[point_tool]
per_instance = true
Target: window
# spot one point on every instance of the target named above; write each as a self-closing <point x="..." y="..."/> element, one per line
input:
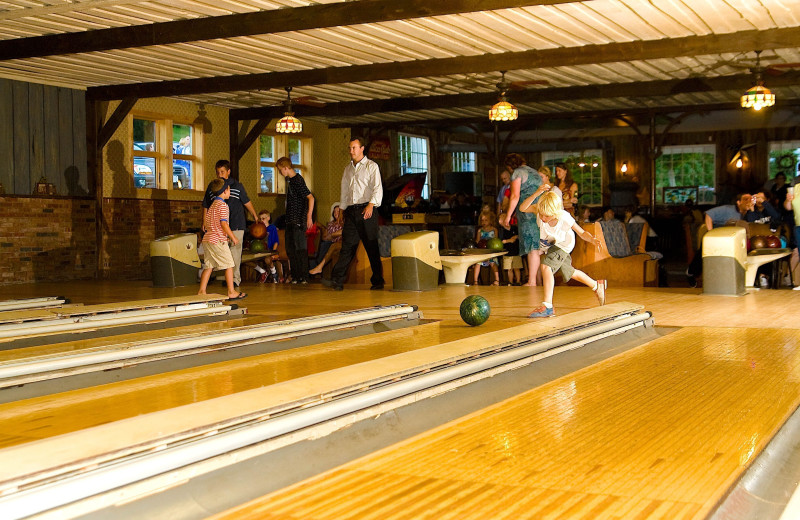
<point x="686" y="167"/>
<point x="784" y="157"/>
<point x="586" y="168"/>
<point x="413" y="152"/>
<point x="464" y="162"/>
<point x="273" y="147"/>
<point x="161" y="146"/>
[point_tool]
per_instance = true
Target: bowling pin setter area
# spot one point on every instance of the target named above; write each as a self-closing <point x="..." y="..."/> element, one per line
<point x="305" y="403"/>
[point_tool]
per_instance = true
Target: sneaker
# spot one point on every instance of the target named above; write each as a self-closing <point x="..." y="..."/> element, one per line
<point x="263" y="277"/>
<point x="600" y="292"/>
<point x="542" y="312"/>
<point x="376" y="287"/>
<point x="303" y="282"/>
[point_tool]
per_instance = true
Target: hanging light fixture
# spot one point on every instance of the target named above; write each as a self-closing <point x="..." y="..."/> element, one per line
<point x="503" y="110"/>
<point x="289" y="124"/>
<point x="759" y="96"/>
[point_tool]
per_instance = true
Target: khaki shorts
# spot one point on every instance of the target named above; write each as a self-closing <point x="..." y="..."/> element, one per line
<point x="217" y="256"/>
<point x="556" y="259"/>
<point x="512" y="262"/>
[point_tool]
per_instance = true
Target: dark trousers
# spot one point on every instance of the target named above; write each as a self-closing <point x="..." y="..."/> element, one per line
<point x="356" y="229"/>
<point x="297" y="251"/>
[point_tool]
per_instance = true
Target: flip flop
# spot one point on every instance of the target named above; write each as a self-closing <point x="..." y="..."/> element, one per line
<point x="241" y="296"/>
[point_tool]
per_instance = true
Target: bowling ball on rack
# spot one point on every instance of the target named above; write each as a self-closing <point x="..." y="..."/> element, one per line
<point x="258" y="230"/>
<point x="495" y="244"/>
<point x="482" y="244"/>
<point x="475" y="310"/>
<point x="773" y="242"/>
<point x="469" y="244"/>
<point x="758" y="242"/>
<point x="258" y="246"/>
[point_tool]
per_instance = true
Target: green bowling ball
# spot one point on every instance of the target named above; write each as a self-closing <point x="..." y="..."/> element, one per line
<point x="475" y="310"/>
<point x="258" y="246"/>
<point x="495" y="244"/>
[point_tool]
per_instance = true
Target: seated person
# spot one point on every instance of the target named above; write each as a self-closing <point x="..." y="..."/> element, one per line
<point x="486" y="231"/>
<point x="608" y="214"/>
<point x="269" y="270"/>
<point x="331" y="242"/>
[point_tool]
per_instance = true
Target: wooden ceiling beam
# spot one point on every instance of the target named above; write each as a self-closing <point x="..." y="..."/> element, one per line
<point x="658" y="88"/>
<point x="531" y="59"/>
<point x="486" y="126"/>
<point x="248" y="24"/>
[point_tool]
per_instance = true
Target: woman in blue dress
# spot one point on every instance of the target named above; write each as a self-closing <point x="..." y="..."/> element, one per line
<point x="524" y="181"/>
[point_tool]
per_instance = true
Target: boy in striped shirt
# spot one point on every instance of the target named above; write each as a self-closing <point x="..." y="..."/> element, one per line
<point x="215" y="242"/>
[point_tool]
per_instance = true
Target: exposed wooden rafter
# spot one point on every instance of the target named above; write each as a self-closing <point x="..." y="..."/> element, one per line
<point x="248" y="24"/>
<point x="530" y="59"/>
<point x="617" y="90"/>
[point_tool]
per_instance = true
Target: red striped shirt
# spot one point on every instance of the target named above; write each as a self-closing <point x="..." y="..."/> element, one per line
<point x="216" y="214"/>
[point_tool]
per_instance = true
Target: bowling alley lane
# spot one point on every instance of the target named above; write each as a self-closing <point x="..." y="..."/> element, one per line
<point x="660" y="431"/>
<point x="46" y="416"/>
<point x="66" y="347"/>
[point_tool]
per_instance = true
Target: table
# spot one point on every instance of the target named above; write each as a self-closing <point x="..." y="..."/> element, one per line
<point x="455" y="267"/>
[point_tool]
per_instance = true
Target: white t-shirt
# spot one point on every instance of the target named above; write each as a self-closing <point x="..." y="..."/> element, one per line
<point x="559" y="234"/>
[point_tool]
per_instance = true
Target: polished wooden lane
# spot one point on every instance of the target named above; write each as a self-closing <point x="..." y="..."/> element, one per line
<point x="677" y="307"/>
<point x="47" y="416"/>
<point x="123" y="340"/>
<point x="660" y="431"/>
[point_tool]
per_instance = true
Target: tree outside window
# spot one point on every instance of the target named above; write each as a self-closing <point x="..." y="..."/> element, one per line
<point x="686" y="167"/>
<point x="784" y="157"/>
<point x="586" y="167"/>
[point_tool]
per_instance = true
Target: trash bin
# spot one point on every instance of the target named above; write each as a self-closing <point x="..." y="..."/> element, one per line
<point x="174" y="261"/>
<point x="415" y="261"/>
<point x="724" y="261"/>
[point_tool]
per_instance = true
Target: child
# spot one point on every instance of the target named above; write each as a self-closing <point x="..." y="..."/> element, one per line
<point x="272" y="245"/>
<point x="484" y="233"/>
<point x="299" y="218"/>
<point x="512" y="262"/>
<point x="557" y="230"/>
<point x="217" y="254"/>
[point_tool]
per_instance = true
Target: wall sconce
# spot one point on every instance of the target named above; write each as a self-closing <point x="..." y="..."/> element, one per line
<point x="624" y="168"/>
<point x="739" y="162"/>
<point x="595" y="164"/>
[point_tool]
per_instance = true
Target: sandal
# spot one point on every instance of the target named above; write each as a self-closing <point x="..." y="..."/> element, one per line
<point x="241" y="296"/>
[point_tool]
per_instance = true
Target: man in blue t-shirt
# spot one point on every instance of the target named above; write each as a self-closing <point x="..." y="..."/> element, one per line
<point x="717" y="217"/>
<point x="237" y="204"/>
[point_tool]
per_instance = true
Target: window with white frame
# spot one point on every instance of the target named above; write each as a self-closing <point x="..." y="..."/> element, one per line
<point x="273" y="147"/>
<point x="166" y="153"/>
<point x="586" y="168"/>
<point x="464" y="162"/>
<point x="784" y="157"/>
<point x="413" y="150"/>
<point x="684" y="172"/>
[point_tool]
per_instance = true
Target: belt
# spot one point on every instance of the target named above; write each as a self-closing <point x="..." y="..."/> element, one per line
<point x="357" y="206"/>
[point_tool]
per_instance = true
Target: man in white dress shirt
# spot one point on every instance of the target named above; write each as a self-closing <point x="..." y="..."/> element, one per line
<point x="362" y="193"/>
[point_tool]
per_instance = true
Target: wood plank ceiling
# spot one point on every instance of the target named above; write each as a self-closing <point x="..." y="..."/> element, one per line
<point x="375" y="61"/>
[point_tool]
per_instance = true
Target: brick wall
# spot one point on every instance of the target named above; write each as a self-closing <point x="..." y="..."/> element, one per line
<point x="129" y="225"/>
<point x="46" y="239"/>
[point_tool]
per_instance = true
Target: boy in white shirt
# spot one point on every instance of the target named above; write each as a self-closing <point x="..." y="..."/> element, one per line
<point x="557" y="230"/>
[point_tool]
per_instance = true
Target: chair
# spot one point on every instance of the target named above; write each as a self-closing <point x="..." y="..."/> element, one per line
<point x="616" y="261"/>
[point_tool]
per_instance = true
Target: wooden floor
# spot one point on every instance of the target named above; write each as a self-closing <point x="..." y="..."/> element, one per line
<point x="658" y="432"/>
